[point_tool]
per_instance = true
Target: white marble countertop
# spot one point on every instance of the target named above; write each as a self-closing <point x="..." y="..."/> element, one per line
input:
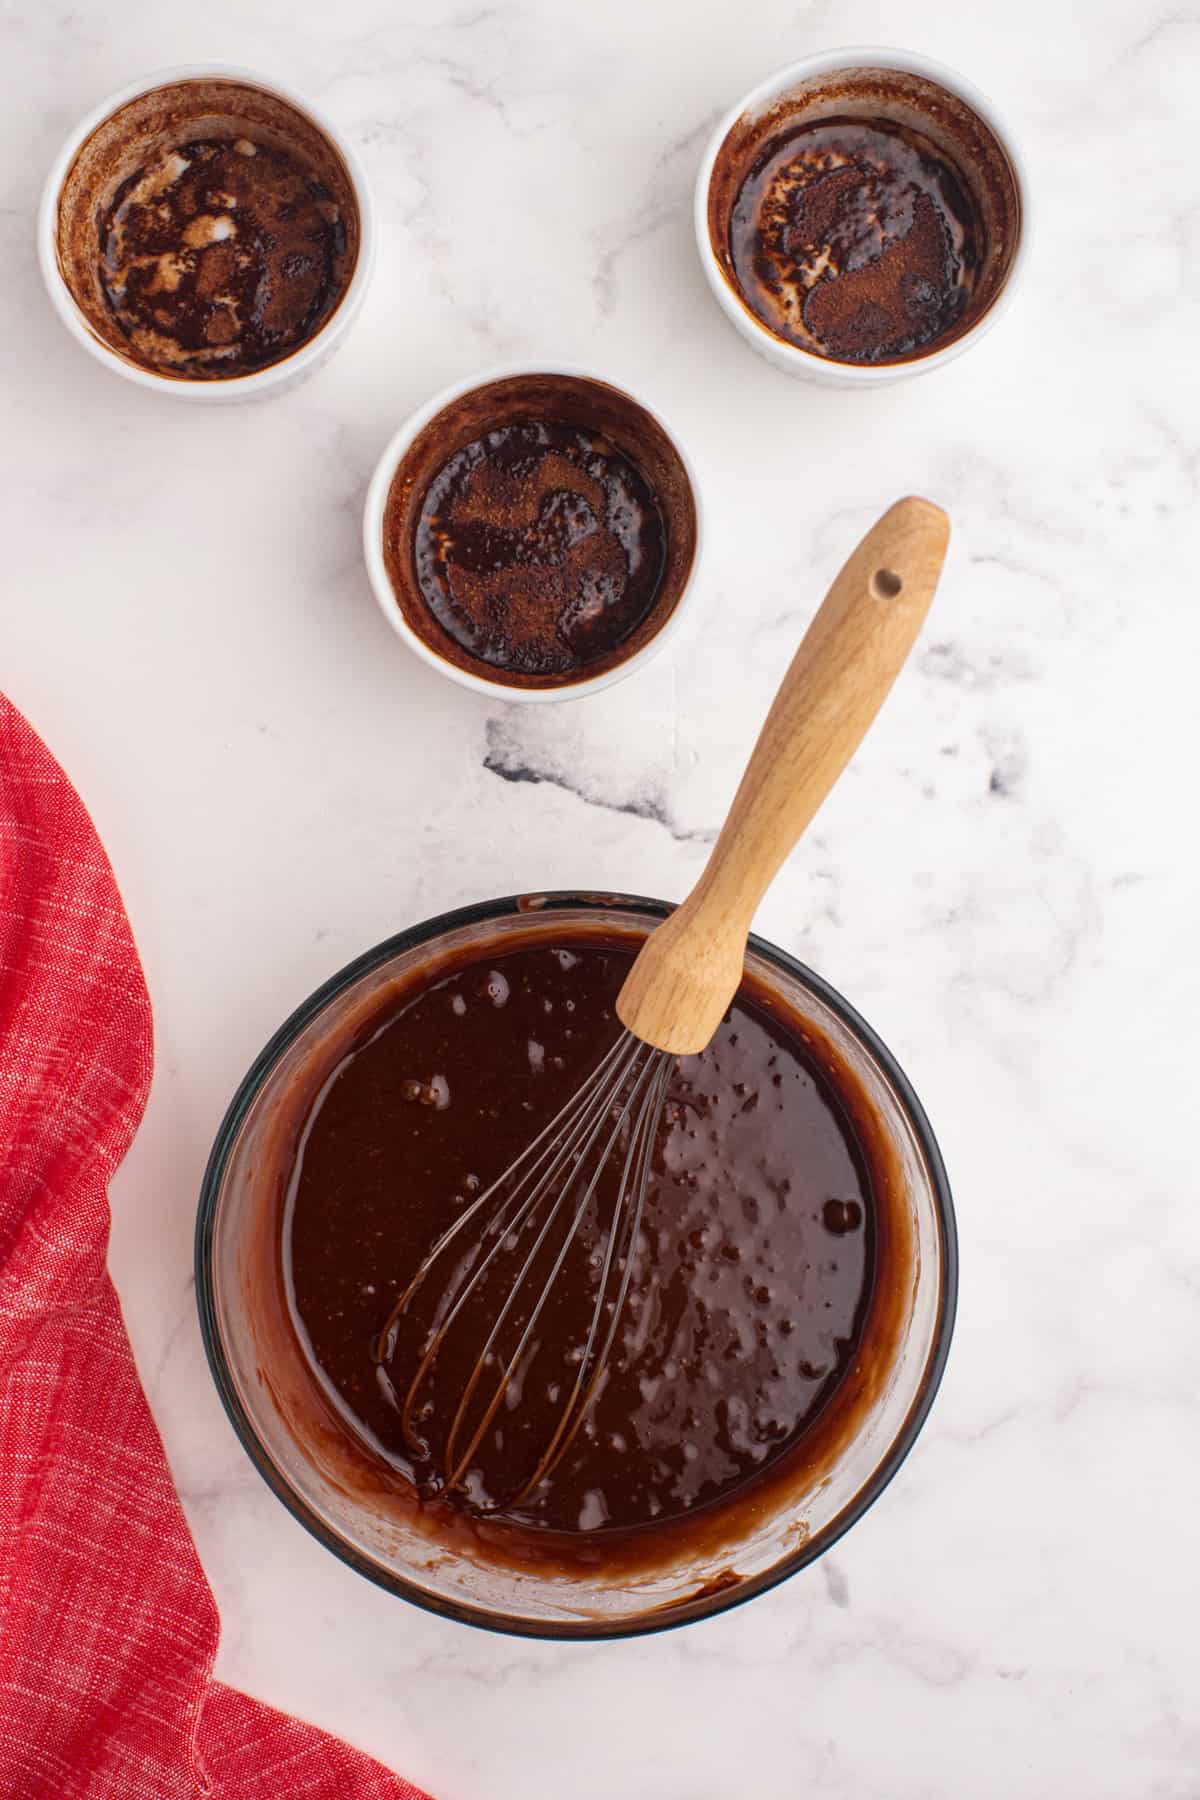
<point x="1006" y="882"/>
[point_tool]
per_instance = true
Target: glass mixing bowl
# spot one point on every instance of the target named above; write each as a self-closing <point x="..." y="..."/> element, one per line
<point x="302" y="1453"/>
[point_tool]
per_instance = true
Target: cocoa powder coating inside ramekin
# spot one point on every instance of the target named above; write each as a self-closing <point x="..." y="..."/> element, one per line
<point x="903" y="107"/>
<point x="509" y="515"/>
<point x="288" y="229"/>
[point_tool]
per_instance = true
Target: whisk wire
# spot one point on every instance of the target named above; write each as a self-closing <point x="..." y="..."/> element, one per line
<point x="641" y="1146"/>
<point x="385" y="1342"/>
<point x="528" y="1180"/>
<point x="641" y="1076"/>
<point x="505" y="1221"/>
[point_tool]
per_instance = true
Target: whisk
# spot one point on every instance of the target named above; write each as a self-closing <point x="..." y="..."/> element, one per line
<point x="670" y="1005"/>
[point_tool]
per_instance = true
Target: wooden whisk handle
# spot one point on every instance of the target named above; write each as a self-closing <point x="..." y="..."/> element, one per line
<point x="688" y="970"/>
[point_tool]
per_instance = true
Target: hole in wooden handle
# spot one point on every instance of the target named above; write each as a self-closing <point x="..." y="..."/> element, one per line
<point x="885" y="584"/>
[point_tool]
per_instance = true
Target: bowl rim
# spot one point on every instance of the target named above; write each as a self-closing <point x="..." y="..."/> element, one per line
<point x="532" y="906"/>
<point x="375" y="511"/>
<point x="794" y="359"/>
<point x="255" y="382"/>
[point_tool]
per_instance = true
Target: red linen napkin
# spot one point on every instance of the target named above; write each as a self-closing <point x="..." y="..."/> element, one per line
<point x="107" y="1626"/>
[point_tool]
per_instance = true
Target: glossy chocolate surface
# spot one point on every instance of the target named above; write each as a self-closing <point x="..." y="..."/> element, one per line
<point x="765" y="1251"/>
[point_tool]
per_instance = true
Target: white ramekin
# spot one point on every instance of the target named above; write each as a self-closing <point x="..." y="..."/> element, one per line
<point x="259" y="382"/>
<point x="376" y="506"/>
<point x="791" y="357"/>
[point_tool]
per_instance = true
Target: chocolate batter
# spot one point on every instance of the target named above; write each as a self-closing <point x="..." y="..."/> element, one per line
<point x="539" y="530"/>
<point x="540" y="548"/>
<point x="220" y="257"/>
<point x="867" y="216"/>
<point x="764" y="1240"/>
<point x="855" y="239"/>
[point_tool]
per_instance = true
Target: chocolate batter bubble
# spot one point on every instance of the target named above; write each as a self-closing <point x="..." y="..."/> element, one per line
<point x="753" y="1273"/>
